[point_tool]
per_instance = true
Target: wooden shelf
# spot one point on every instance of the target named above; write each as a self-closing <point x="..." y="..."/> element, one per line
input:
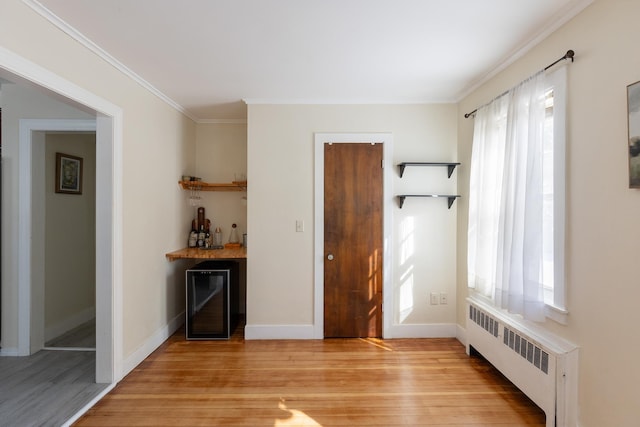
<point x="207" y="186"/>
<point x="199" y="253"/>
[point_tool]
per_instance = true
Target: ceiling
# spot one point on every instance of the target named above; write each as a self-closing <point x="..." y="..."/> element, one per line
<point x="207" y="57"/>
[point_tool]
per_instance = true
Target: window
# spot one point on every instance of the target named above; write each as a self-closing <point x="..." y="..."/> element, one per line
<point x="516" y="200"/>
<point x="554" y="197"/>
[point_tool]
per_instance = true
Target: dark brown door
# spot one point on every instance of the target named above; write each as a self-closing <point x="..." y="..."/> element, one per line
<point x="353" y="208"/>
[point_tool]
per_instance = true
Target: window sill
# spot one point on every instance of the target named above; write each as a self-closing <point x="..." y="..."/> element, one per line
<point x="556" y="314"/>
<point x="551" y="312"/>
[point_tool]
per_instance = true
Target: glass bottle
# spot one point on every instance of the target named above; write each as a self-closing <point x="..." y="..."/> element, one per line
<point x="193" y="235"/>
<point x="201" y="236"/>
<point x="233" y="236"/>
<point x="217" y="238"/>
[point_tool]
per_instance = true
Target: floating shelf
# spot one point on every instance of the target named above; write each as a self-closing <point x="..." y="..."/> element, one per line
<point x="450" y="198"/>
<point x="207" y="186"/>
<point x="450" y="166"/>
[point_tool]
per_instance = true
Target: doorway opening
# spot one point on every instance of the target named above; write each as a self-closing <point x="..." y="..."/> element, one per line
<point x="108" y="275"/>
<point x="69" y="240"/>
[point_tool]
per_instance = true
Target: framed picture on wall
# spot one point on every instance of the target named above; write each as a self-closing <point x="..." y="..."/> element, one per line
<point x="633" y="105"/>
<point x="68" y="174"/>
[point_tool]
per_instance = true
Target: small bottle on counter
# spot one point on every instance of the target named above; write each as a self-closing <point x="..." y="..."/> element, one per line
<point x="193" y="239"/>
<point x="201" y="236"/>
<point x="217" y="238"/>
<point x="207" y="239"/>
<point x="233" y="236"/>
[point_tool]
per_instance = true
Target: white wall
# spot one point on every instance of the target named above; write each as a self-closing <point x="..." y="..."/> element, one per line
<point x="281" y="190"/>
<point x="221" y="153"/>
<point x="602" y="229"/>
<point x="70" y="237"/>
<point x="158" y="147"/>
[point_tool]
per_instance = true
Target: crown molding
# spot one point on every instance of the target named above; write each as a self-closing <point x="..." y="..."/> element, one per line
<point x="382" y="101"/>
<point x="86" y="42"/>
<point x="222" y="121"/>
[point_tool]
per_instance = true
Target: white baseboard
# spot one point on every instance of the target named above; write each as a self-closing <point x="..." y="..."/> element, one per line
<point x="431" y="330"/>
<point x="306" y="332"/>
<point x="154" y="341"/>
<point x="279" y="332"/>
<point x="57" y="329"/>
<point x="9" y="351"/>
<point x="461" y="335"/>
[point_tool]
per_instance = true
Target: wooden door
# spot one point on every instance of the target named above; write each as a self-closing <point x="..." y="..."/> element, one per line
<point x="353" y="216"/>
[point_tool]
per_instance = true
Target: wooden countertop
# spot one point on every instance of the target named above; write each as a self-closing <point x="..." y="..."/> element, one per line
<point x="195" y="253"/>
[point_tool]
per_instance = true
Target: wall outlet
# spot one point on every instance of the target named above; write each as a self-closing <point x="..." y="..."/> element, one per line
<point x="434" y="298"/>
<point x="443" y="298"/>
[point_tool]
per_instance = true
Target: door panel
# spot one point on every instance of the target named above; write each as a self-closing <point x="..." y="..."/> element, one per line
<point x="353" y="213"/>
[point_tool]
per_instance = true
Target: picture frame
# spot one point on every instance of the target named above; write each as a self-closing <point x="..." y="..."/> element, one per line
<point x="633" y="124"/>
<point x="68" y="174"/>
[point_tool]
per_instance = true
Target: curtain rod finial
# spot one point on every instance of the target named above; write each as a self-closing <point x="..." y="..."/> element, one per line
<point x="569" y="55"/>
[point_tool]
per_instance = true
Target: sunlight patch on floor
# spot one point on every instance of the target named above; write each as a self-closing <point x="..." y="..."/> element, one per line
<point x="377" y="342"/>
<point x="297" y="418"/>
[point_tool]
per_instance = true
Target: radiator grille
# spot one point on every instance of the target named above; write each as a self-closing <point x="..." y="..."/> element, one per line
<point x="539" y="363"/>
<point x="485" y="321"/>
<point x="528" y="350"/>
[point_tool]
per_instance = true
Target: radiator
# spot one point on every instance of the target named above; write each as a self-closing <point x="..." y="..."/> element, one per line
<point x="541" y="365"/>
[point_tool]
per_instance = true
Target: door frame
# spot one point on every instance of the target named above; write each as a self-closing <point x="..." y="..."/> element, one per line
<point x="31" y="208"/>
<point x="387" y="176"/>
<point x="109" y="226"/>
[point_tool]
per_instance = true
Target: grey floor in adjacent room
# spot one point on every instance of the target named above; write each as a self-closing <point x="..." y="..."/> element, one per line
<point x="83" y="336"/>
<point x="47" y="388"/>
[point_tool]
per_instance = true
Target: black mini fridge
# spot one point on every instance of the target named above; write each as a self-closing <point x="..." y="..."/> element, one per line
<point x="212" y="300"/>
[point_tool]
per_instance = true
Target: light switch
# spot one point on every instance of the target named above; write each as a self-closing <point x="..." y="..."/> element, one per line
<point x="434" y="298"/>
<point x="299" y="225"/>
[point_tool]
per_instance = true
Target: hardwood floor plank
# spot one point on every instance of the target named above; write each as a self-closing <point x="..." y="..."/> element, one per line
<point x="341" y="382"/>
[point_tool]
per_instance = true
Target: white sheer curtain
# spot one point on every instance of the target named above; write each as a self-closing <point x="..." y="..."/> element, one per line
<point x="506" y="199"/>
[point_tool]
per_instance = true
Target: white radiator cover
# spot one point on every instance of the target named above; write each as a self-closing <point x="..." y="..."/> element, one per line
<point x="542" y="365"/>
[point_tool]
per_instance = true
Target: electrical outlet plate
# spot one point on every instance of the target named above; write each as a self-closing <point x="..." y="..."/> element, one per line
<point x="443" y="298"/>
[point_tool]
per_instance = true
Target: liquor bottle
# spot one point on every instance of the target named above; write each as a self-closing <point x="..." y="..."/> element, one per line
<point x="207" y="239"/>
<point x="200" y="222"/>
<point x="201" y="237"/>
<point x="193" y="239"/>
<point x="193" y="235"/>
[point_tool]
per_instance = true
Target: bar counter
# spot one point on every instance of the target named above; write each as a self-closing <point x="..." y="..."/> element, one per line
<point x="195" y="253"/>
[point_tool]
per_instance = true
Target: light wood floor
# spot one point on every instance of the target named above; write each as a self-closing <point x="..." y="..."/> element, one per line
<point x="337" y="382"/>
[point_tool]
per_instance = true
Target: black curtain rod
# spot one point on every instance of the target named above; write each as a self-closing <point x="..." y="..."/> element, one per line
<point x="568" y="55"/>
